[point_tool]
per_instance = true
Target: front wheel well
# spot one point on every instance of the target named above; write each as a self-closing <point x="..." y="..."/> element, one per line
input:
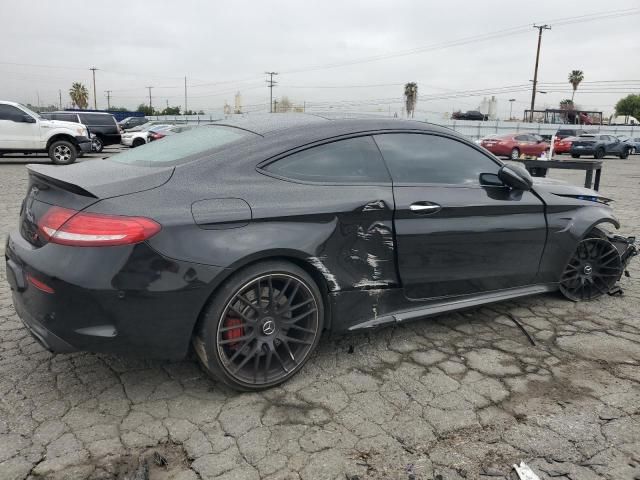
<point x="61" y="136"/>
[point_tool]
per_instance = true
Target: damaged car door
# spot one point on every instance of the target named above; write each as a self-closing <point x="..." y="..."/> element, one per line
<point x="455" y="234"/>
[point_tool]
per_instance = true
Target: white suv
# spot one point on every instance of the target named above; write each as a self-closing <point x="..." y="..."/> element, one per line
<point x="24" y="131"/>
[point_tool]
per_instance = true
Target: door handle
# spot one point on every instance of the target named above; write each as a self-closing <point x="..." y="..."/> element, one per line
<point x="424" y="207"/>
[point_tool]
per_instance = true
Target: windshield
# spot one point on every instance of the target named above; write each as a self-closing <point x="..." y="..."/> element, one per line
<point x="31" y="112"/>
<point x="181" y="148"/>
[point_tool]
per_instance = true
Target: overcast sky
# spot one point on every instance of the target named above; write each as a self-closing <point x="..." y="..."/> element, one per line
<point x="224" y="47"/>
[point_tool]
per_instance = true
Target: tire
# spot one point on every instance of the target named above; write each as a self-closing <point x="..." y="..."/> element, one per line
<point x="625" y="154"/>
<point x="97" y="145"/>
<point x="248" y="338"/>
<point x="593" y="270"/>
<point x="138" y="142"/>
<point x="599" y="153"/>
<point x="63" y="152"/>
<point x="575" y="155"/>
<point x="515" y="154"/>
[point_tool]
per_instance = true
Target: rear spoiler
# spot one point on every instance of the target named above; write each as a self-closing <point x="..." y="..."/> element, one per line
<point x="35" y="171"/>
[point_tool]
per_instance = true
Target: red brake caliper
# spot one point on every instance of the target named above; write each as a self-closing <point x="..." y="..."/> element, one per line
<point x="234" y="332"/>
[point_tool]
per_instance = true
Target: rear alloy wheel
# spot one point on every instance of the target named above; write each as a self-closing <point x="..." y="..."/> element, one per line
<point x="593" y="270"/>
<point x="515" y="154"/>
<point x="262" y="326"/>
<point x="63" y="152"/>
<point x="599" y="153"/>
<point x="138" y="142"/>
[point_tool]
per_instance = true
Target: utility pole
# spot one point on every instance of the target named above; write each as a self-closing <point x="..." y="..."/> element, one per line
<point x="60" y="97"/>
<point x="108" y="92"/>
<point x="185" y="94"/>
<point x="275" y="106"/>
<point x="271" y="84"/>
<point x="95" y="99"/>
<point x="150" y="107"/>
<point x="511" y="100"/>
<point x="535" y="72"/>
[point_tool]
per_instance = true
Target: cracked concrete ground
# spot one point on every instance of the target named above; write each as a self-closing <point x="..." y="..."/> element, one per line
<point x="460" y="396"/>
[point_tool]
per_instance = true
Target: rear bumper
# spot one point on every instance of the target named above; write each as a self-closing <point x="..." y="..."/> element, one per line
<point x="583" y="151"/>
<point x="121" y="300"/>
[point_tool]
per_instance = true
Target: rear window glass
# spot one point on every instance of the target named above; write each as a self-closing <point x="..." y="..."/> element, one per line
<point x="181" y="148"/>
<point x="97" y="119"/>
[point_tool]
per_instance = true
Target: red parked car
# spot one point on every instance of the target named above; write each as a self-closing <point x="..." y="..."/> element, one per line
<point x="514" y="145"/>
<point x="563" y="145"/>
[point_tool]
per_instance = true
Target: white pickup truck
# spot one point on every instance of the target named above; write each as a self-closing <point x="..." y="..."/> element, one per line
<point x="24" y="131"/>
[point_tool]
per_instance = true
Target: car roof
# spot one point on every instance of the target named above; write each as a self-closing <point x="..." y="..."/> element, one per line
<point x="270" y="123"/>
<point x="83" y="111"/>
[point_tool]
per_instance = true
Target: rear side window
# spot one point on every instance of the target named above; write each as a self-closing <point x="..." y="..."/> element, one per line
<point x="355" y="160"/>
<point x="419" y="158"/>
<point x="66" y="117"/>
<point x="97" y="119"/>
<point x="181" y="148"/>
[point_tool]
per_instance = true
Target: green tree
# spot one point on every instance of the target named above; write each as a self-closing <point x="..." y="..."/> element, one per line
<point x="171" y="111"/>
<point x="411" y="97"/>
<point x="567" y="104"/>
<point x="118" y="109"/>
<point x="629" y="105"/>
<point x="146" y="109"/>
<point x="200" y="112"/>
<point x="79" y="95"/>
<point x="575" y="77"/>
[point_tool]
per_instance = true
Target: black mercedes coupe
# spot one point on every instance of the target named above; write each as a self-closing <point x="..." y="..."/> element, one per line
<point x="248" y="238"/>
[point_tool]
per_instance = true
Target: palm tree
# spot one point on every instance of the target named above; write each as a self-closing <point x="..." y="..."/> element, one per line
<point x="410" y="97"/>
<point x="575" y="77"/>
<point x="79" y="95"/>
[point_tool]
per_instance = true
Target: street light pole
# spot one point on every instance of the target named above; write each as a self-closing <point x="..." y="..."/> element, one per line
<point x="95" y="99"/>
<point x="511" y="100"/>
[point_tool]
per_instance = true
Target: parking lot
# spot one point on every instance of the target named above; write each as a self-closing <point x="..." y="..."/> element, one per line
<point x="460" y="396"/>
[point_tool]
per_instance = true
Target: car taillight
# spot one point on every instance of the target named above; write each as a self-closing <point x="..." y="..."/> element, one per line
<point x="83" y="229"/>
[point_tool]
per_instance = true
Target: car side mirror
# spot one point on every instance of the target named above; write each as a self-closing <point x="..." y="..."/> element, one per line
<point x="28" y="119"/>
<point x="490" y="180"/>
<point x="515" y="177"/>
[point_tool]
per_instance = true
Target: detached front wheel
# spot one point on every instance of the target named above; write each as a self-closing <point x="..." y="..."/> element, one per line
<point x="261" y="327"/>
<point x="592" y="271"/>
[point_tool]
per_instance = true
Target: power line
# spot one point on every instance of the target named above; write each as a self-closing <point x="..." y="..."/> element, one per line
<point x="471" y="39"/>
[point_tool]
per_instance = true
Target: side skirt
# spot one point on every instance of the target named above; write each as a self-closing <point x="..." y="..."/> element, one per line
<point x="386" y="307"/>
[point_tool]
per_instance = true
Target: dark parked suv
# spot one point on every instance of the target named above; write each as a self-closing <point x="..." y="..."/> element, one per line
<point x="102" y="125"/>
<point x="131" y="122"/>
<point x="570" y="132"/>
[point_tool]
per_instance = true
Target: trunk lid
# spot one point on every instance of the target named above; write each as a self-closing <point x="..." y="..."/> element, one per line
<point x="80" y="185"/>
